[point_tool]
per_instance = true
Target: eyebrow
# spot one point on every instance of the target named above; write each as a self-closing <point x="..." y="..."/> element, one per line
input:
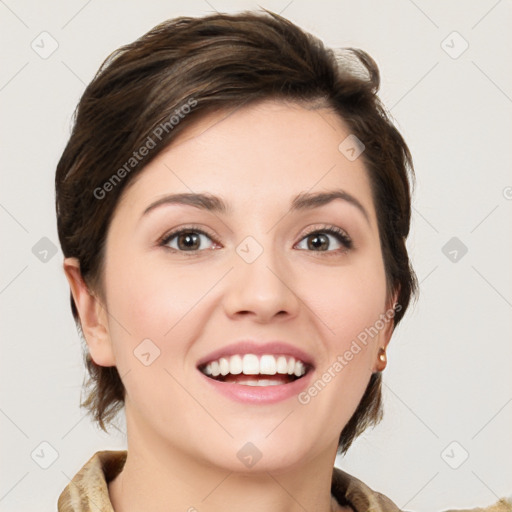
<point x="301" y="202"/>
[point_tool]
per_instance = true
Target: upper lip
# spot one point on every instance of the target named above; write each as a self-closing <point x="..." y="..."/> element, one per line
<point x="259" y="349"/>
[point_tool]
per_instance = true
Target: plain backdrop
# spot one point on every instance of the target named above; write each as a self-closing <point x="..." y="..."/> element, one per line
<point x="446" y="77"/>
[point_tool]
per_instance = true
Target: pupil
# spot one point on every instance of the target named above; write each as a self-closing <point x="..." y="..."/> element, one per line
<point x="190" y="240"/>
<point x="318" y="242"/>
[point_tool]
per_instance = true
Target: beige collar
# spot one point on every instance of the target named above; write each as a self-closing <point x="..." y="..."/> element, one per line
<point x="88" y="490"/>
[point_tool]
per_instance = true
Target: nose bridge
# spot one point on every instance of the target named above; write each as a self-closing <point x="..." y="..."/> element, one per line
<point x="260" y="281"/>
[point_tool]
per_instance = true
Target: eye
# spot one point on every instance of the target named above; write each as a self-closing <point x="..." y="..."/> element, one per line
<point x="191" y="239"/>
<point x="188" y="239"/>
<point x="321" y="240"/>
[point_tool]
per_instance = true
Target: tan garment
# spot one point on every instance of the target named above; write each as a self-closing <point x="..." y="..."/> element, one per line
<point x="88" y="490"/>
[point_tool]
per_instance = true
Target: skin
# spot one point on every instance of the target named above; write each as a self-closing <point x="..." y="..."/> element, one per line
<point x="183" y="437"/>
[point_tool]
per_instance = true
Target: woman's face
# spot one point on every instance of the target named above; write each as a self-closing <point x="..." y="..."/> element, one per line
<point x="263" y="276"/>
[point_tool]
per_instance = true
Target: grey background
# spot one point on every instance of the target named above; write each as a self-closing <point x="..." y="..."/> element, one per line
<point x="448" y="385"/>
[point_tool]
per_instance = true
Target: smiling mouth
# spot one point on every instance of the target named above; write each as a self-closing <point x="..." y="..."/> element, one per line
<point x="253" y="370"/>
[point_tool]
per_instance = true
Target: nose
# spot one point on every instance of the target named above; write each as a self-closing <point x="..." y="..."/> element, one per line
<point x="262" y="289"/>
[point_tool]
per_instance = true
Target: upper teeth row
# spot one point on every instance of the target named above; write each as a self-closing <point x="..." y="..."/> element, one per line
<point x="250" y="364"/>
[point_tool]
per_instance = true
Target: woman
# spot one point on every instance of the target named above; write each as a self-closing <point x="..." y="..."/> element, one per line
<point x="233" y="206"/>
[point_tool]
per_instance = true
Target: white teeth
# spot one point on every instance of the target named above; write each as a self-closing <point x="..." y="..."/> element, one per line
<point x="215" y="368"/>
<point x="250" y="364"/>
<point x="282" y="365"/>
<point x="260" y="382"/>
<point x="299" y="368"/>
<point x="268" y="365"/>
<point x="291" y="366"/>
<point x="235" y="365"/>
<point x="223" y="366"/>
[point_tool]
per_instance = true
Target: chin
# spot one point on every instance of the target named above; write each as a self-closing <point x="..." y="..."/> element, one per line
<point x="261" y="453"/>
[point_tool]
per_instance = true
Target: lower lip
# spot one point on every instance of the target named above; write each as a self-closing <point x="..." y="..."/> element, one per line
<point x="260" y="394"/>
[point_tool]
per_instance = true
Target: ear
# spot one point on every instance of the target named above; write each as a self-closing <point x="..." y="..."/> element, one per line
<point x="93" y="315"/>
<point x="385" y="334"/>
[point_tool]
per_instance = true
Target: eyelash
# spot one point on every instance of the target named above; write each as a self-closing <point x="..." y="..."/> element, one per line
<point x="338" y="233"/>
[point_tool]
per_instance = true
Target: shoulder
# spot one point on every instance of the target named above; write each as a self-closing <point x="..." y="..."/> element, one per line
<point x="502" y="505"/>
<point x="88" y="490"/>
<point x="349" y="490"/>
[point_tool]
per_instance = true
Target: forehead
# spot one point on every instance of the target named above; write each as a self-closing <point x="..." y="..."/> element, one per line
<point x="265" y="153"/>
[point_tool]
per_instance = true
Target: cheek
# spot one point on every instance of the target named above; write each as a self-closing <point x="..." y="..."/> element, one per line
<point x="350" y="302"/>
<point x="153" y="318"/>
<point x="154" y="302"/>
<point x="150" y="299"/>
<point x="349" y="305"/>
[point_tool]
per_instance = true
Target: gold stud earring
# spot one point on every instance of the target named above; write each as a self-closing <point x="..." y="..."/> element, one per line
<point x="382" y="359"/>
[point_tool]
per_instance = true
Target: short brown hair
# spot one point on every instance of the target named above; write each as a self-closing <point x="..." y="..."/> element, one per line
<point x="218" y="63"/>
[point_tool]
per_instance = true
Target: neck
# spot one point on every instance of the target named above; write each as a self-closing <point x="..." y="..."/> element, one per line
<point x="162" y="478"/>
